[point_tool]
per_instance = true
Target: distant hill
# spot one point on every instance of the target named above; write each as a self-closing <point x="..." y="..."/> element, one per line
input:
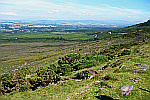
<point x="132" y="28"/>
<point x="144" y="24"/>
<point x="139" y="29"/>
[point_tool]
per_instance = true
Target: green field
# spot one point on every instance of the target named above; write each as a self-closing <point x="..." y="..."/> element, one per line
<point x="49" y="37"/>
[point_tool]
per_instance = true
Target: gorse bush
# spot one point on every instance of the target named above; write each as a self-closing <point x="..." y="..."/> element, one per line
<point x="64" y="69"/>
<point x="70" y="58"/>
<point x="17" y="82"/>
<point x="45" y="76"/>
<point x="13" y="82"/>
<point x="52" y="67"/>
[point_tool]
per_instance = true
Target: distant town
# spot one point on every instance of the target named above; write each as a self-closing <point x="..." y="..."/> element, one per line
<point x="52" y="26"/>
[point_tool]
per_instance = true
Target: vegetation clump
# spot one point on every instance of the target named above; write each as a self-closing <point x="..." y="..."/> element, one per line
<point x="72" y="62"/>
<point x="13" y="82"/>
<point x="125" y="52"/>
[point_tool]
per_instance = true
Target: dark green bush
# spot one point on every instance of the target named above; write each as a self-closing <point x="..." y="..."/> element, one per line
<point x="4" y="75"/>
<point x="68" y="59"/>
<point x="13" y="92"/>
<point x="125" y="52"/>
<point x="53" y="67"/>
<point x="72" y="62"/>
<point x="65" y="69"/>
<point x="44" y="77"/>
<point x="12" y="82"/>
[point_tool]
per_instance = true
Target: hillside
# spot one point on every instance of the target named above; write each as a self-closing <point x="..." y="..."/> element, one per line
<point x="115" y="68"/>
<point x="132" y="28"/>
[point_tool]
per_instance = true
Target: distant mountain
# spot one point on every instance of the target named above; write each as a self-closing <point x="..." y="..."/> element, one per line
<point x="118" y="23"/>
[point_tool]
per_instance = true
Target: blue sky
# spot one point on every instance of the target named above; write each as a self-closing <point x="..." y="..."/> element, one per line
<point x="127" y="10"/>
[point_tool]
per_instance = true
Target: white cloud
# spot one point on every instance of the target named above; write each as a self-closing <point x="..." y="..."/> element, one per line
<point x="82" y="13"/>
<point x="70" y="7"/>
<point x="67" y="9"/>
<point x="53" y="11"/>
<point x="8" y="13"/>
<point x="129" y="16"/>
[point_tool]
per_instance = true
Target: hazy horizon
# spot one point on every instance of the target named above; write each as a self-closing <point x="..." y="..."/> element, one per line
<point x="130" y="11"/>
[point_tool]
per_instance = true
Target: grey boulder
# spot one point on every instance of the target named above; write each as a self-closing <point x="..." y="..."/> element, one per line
<point x="126" y="89"/>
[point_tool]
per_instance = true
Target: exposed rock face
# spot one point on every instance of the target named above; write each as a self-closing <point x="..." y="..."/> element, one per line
<point x="86" y="74"/>
<point x="126" y="89"/>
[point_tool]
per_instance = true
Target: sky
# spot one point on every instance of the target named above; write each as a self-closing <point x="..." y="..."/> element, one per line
<point x="127" y="10"/>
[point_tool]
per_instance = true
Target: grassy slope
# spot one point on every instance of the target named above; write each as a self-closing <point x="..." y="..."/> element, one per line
<point x="70" y="87"/>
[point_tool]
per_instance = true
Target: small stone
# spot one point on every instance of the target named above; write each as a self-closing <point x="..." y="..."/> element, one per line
<point x="111" y="86"/>
<point x="75" y="94"/>
<point x="126" y="88"/>
<point x="81" y="91"/>
<point x="146" y="66"/>
<point x="125" y="93"/>
<point x="78" y="80"/>
<point x="90" y="76"/>
<point x="97" y="81"/>
<point x="100" y="89"/>
<point x="121" y="67"/>
<point x="136" y="79"/>
<point x="117" y="79"/>
<point x="143" y="69"/>
<point x="104" y="86"/>
<point x="131" y="80"/>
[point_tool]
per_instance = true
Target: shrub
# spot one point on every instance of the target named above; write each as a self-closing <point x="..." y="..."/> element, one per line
<point x="4" y="75"/>
<point x="23" y="88"/>
<point x="65" y="69"/>
<point x="12" y="82"/>
<point x="52" y="67"/>
<point x="44" y="77"/>
<point x="13" y="92"/>
<point x="125" y="52"/>
<point x="68" y="59"/>
<point x="101" y="58"/>
<point x="75" y="62"/>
